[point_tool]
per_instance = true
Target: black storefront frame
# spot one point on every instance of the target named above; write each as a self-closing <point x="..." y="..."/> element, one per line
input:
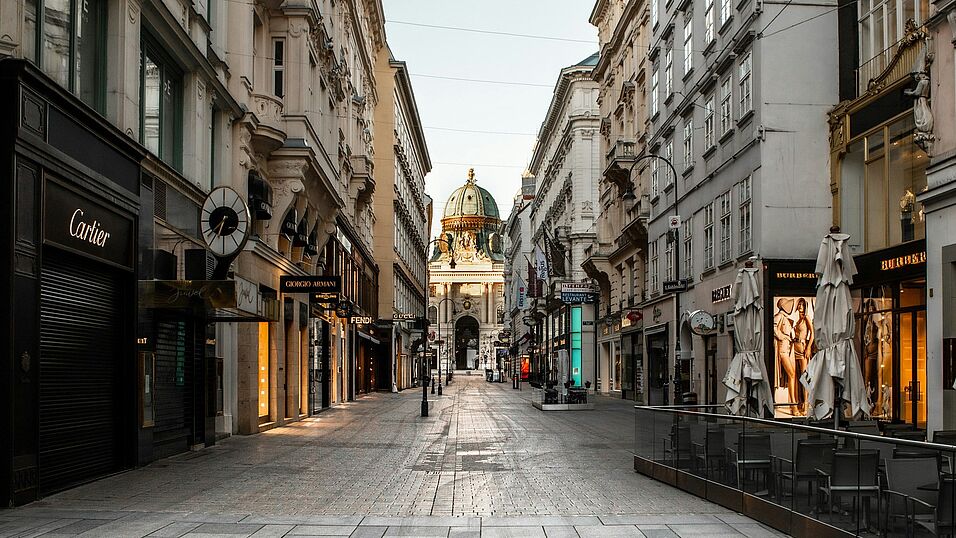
<point x="783" y="278"/>
<point x="57" y="138"/>
<point x="890" y="268"/>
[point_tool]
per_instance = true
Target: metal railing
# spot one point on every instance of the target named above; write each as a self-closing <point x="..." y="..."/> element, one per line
<point x="804" y="479"/>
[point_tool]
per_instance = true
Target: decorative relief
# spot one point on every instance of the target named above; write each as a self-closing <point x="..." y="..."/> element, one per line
<point x="132" y="11"/>
<point x="922" y="113"/>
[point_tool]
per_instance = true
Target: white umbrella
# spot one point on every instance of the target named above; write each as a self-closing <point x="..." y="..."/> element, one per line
<point x="746" y="377"/>
<point x="833" y="375"/>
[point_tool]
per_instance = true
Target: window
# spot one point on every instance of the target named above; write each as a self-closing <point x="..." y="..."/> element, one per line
<point x="278" y="67"/>
<point x="160" y="106"/>
<point x="724" y="12"/>
<point x="882" y="25"/>
<point x="655" y="179"/>
<point x="67" y="40"/>
<point x="668" y="72"/>
<point x="688" y="46"/>
<point x="744" y="243"/>
<point x="709" y="236"/>
<point x="709" y="140"/>
<point x="668" y="259"/>
<point x="652" y="271"/>
<point x="669" y="155"/>
<point x="654" y="92"/>
<point x="708" y="22"/>
<point x="688" y="143"/>
<point x="687" y="260"/>
<point x="746" y="103"/>
<point x="726" y="94"/>
<point x="214" y="117"/>
<point x="725" y="225"/>
<point x="653" y="13"/>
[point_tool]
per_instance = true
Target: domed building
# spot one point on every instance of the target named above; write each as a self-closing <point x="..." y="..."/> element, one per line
<point x="466" y="281"/>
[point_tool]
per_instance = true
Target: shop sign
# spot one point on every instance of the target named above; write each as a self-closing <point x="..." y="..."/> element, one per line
<point x="899" y="262"/>
<point x="791" y="274"/>
<point x="310" y="284"/>
<point x="577" y="293"/>
<point x="721" y="294"/>
<point x="207" y="294"/>
<point x="402" y="316"/>
<point x="361" y="320"/>
<point x="81" y="225"/>
<point x="248" y="298"/>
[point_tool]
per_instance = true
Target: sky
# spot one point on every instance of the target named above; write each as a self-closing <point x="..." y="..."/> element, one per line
<point x="531" y="66"/>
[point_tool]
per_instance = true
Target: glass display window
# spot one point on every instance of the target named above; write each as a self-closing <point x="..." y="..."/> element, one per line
<point x="794" y="344"/>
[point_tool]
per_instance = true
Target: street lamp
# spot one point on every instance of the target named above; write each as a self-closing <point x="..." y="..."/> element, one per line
<point x="630" y="196"/>
<point x="438" y="322"/>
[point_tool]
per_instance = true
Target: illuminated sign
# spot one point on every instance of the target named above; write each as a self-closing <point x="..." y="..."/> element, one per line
<point x="792" y="276"/>
<point x="361" y="320"/>
<point x="898" y="262"/>
<point x="310" y="284"/>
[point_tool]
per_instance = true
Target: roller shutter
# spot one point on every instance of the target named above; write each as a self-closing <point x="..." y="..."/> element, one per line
<point x="80" y="348"/>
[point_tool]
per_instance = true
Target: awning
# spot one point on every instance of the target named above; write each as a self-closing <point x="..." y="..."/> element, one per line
<point x="216" y="300"/>
<point x="371" y="339"/>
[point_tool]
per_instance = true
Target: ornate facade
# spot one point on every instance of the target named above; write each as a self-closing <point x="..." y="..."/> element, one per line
<point x="466" y="298"/>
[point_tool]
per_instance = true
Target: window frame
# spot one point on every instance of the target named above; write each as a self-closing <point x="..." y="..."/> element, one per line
<point x="655" y="91"/>
<point x="688" y="45"/>
<point x="710" y="33"/>
<point x="668" y="72"/>
<point x="150" y="47"/>
<point x="688" y="142"/>
<point x="745" y="215"/>
<point x="709" y="139"/>
<point x="687" y="242"/>
<point x="709" y="239"/>
<point x="278" y="67"/>
<point x="726" y="226"/>
<point x="726" y="105"/>
<point x="745" y="82"/>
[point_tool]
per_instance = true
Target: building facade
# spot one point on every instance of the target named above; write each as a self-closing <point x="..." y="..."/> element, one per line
<point x="466" y="298"/>
<point x="271" y="106"/>
<point x="517" y="267"/>
<point x="617" y="259"/>
<point x="562" y="225"/>
<point x="402" y="219"/>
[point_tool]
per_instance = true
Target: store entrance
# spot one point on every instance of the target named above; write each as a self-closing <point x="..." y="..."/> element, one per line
<point x="913" y="367"/>
<point x="657" y="369"/>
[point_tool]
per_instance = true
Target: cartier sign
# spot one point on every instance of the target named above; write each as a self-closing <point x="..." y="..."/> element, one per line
<point x="76" y="223"/>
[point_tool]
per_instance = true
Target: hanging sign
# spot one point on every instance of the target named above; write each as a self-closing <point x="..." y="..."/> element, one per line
<point x="577" y="293"/>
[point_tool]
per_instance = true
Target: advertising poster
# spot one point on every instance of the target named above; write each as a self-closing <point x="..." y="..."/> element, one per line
<point x="793" y="345"/>
<point x="525" y="367"/>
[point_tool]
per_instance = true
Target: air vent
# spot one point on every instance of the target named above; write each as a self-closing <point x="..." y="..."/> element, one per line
<point x="159" y="199"/>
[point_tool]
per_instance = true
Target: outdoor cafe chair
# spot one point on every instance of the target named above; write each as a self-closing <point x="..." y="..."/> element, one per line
<point x="811" y="454"/>
<point x="852" y="474"/>
<point x="752" y="454"/>
<point x="906" y="479"/>
<point x="941" y="521"/>
<point x="677" y="446"/>
<point x="710" y="456"/>
<point x="945" y="437"/>
<point x="913" y="435"/>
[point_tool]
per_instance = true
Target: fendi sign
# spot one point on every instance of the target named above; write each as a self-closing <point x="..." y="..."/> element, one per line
<point x="79" y="224"/>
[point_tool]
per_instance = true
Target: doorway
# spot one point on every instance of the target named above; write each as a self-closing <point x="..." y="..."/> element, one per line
<point x="710" y="369"/>
<point x="657" y="369"/>
<point x="466" y="339"/>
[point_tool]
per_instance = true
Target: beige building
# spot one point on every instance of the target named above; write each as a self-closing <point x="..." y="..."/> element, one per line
<point x="618" y="258"/>
<point x="466" y="302"/>
<point x="403" y="219"/>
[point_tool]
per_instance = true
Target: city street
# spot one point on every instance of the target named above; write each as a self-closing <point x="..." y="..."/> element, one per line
<point x="484" y="463"/>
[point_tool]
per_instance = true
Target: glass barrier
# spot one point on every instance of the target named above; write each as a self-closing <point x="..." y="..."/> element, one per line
<point x="864" y="477"/>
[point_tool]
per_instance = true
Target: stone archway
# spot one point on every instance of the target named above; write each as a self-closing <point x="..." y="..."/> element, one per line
<point x="466" y="338"/>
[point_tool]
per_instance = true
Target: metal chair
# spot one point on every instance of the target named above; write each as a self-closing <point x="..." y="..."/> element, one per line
<point x="677" y="446"/>
<point x="853" y="474"/>
<point x="942" y="520"/>
<point x="904" y="478"/>
<point x="811" y="454"/>
<point x="711" y="455"/>
<point x="913" y="435"/>
<point x="752" y="454"/>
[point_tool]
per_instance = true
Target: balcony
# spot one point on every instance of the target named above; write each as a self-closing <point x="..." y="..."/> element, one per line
<point x="268" y="131"/>
<point x="892" y="63"/>
<point x="363" y="181"/>
<point x="619" y="158"/>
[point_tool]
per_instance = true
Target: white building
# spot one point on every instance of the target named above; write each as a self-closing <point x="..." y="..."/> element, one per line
<point x="466" y="302"/>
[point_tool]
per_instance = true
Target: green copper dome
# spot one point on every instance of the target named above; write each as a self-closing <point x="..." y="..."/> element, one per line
<point x="470" y="200"/>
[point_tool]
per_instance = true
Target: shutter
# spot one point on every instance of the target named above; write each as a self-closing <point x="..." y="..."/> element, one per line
<point x="80" y="347"/>
<point x="170" y="433"/>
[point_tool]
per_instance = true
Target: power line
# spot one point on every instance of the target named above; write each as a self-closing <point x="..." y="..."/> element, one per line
<point x="493" y="32"/>
<point x="483" y="81"/>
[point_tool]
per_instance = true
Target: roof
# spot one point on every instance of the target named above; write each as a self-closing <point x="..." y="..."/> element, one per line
<point x="470" y="200"/>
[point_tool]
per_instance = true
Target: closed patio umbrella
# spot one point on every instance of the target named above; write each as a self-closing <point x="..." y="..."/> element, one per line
<point x="748" y="387"/>
<point x="833" y="375"/>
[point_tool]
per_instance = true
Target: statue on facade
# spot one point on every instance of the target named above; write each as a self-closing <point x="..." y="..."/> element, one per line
<point x="922" y="113"/>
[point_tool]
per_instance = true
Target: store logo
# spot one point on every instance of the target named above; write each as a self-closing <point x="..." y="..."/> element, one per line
<point x="721" y="294"/>
<point x="899" y="262"/>
<point x="85" y="231"/>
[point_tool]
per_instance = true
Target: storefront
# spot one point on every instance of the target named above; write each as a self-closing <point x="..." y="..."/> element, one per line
<point x="69" y="380"/>
<point x="889" y="295"/>
<point x="789" y="304"/>
<point x="632" y="355"/>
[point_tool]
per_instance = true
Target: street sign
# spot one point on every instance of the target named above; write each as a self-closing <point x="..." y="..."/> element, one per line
<point x="673" y="222"/>
<point x="675" y="286"/>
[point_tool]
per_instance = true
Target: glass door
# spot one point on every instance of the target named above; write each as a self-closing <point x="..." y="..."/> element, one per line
<point x="913" y="367"/>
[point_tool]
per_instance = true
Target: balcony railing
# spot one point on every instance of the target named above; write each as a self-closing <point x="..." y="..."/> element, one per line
<point x="806" y="480"/>
<point x="622" y="149"/>
<point x="872" y="69"/>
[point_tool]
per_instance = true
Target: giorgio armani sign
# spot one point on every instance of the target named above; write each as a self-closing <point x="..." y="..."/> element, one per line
<point x="76" y="223"/>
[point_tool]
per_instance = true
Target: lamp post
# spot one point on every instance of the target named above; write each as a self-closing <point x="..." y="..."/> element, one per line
<point x="438" y="320"/>
<point x="675" y="234"/>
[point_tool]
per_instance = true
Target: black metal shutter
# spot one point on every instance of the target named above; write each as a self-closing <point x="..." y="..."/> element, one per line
<point x="80" y="331"/>
<point x="173" y="362"/>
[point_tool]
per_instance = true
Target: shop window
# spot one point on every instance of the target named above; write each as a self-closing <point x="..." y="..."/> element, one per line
<point x="67" y="39"/>
<point x="874" y="337"/>
<point x="161" y="121"/>
<point x="880" y="177"/>
<point x="794" y="343"/>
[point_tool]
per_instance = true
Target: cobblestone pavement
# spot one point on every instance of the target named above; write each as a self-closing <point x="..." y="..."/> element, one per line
<point x="484" y="463"/>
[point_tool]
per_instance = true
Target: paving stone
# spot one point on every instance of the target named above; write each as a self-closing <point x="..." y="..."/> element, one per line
<point x="174" y="530"/>
<point x="369" y="532"/>
<point x="562" y="531"/>
<point x="609" y="531"/>
<point x="322" y="530"/>
<point x="659" y="533"/>
<point x="513" y="532"/>
<point x="709" y="530"/>
<point x="272" y="531"/>
<point x="418" y="532"/>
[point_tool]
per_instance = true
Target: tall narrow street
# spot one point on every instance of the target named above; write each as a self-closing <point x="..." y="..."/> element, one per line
<point x="484" y="463"/>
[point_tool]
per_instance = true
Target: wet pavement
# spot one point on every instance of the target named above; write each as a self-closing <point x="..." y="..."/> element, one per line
<point x="484" y="463"/>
